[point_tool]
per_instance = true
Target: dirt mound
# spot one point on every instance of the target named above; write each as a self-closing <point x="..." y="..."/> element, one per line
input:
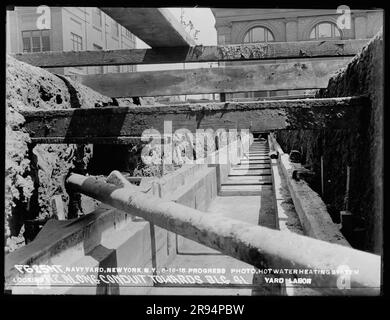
<point x="34" y="175"/>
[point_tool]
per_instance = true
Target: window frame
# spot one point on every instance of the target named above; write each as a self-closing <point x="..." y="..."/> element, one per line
<point x="74" y="38"/>
<point x="128" y="34"/>
<point x="266" y="32"/>
<point x="115" y="32"/>
<point x="41" y="31"/>
<point x="333" y="29"/>
<point x="97" y="13"/>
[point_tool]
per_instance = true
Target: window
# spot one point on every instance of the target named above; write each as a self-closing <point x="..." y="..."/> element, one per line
<point x="115" y="29"/>
<point x="99" y="69"/>
<point x="258" y="34"/>
<point x="128" y="34"/>
<point x="130" y="68"/>
<point x="36" y="40"/>
<point x="97" y="17"/>
<point x="260" y="94"/>
<point x="325" y="30"/>
<point x="77" y="42"/>
<point x="117" y="69"/>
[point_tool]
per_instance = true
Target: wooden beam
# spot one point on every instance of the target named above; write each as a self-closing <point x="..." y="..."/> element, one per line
<point x="83" y="140"/>
<point x="259" y="77"/>
<point x="109" y="125"/>
<point x="243" y="52"/>
<point x="157" y="27"/>
<point x="288" y="97"/>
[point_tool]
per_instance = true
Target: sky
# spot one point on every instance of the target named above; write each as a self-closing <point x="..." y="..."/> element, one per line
<point x="203" y="20"/>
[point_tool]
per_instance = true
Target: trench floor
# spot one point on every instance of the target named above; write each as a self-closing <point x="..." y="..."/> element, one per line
<point x="246" y="195"/>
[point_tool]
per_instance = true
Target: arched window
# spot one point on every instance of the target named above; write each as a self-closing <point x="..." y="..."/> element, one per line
<point x="258" y="34"/>
<point x="325" y="30"/>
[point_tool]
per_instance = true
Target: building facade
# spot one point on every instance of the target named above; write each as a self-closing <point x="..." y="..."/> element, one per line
<point x="236" y="26"/>
<point x="70" y="29"/>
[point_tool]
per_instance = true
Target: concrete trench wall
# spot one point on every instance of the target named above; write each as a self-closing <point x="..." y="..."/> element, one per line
<point x="111" y="238"/>
<point x="361" y="149"/>
<point x="34" y="174"/>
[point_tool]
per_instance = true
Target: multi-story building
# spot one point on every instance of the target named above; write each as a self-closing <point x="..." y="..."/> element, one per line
<point x="236" y="26"/>
<point x="70" y="28"/>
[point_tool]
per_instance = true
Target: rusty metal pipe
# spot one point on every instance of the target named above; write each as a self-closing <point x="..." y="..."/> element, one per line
<point x="256" y="245"/>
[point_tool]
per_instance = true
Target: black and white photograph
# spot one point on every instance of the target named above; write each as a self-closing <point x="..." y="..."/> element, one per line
<point x="194" y="151"/>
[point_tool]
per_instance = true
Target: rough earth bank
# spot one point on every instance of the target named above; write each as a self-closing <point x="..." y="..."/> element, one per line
<point x="361" y="149"/>
<point x="34" y="175"/>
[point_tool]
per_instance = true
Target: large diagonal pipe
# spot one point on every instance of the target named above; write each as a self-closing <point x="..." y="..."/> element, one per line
<point x="256" y="245"/>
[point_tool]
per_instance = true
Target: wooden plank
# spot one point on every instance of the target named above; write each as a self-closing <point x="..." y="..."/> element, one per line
<point x="282" y="76"/>
<point x="106" y="125"/>
<point x="157" y="27"/>
<point x="81" y="140"/>
<point x="243" y="52"/>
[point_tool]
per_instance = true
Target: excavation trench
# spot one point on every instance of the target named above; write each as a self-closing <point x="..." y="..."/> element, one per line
<point x="253" y="189"/>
